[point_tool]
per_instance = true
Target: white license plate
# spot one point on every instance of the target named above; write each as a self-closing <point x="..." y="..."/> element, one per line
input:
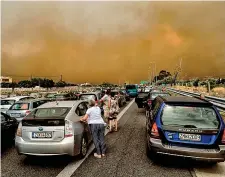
<point x="41" y="134"/>
<point x="15" y="115"/>
<point x="189" y="137"/>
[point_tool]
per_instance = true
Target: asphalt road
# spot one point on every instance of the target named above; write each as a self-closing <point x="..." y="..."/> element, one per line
<point x="125" y="157"/>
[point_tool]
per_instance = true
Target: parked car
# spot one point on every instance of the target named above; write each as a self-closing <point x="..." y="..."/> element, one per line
<point x="54" y="129"/>
<point x="50" y="95"/>
<point x="8" y="129"/>
<point x="127" y="96"/>
<point x="8" y="102"/>
<point x="150" y="97"/>
<point x="21" y="109"/>
<point x="121" y="95"/>
<point x="93" y="95"/>
<point x="185" y="127"/>
<point x="90" y="95"/>
<point x="140" y="100"/>
<point x="132" y="90"/>
<point x="65" y="96"/>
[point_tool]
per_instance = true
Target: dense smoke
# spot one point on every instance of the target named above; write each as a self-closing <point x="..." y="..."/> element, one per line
<point x="112" y="41"/>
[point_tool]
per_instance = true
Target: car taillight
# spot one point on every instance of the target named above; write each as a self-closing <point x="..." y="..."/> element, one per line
<point x="27" y="112"/>
<point x="155" y="132"/>
<point x="68" y="129"/>
<point x="19" y="130"/>
<point x="149" y="101"/>
<point x="223" y="137"/>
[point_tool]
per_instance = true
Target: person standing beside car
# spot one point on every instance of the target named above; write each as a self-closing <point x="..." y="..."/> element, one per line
<point x="97" y="127"/>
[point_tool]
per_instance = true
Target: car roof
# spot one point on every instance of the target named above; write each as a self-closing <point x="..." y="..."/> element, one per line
<point x="15" y="97"/>
<point x="185" y="99"/>
<point x="90" y="93"/>
<point x="61" y="104"/>
<point x="31" y="100"/>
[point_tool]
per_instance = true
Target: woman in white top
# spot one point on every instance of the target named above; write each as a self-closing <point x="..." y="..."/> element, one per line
<point x="97" y="127"/>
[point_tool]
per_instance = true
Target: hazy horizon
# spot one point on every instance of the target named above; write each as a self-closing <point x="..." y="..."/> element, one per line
<point x="112" y="41"/>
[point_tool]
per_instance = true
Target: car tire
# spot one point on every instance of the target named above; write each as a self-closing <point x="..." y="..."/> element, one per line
<point x="139" y="106"/>
<point x="150" y="154"/>
<point x="83" y="147"/>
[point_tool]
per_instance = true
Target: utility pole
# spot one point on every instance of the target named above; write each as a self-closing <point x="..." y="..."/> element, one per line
<point x="153" y="65"/>
<point x="177" y="71"/>
<point x="60" y="78"/>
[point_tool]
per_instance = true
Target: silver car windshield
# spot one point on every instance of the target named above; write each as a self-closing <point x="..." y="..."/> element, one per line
<point x="196" y="117"/>
<point x="51" y="112"/>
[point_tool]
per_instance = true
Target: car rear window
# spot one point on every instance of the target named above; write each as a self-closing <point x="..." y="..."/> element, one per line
<point x="88" y="97"/>
<point x="154" y="95"/>
<point x="7" y="102"/>
<point x="59" y="112"/>
<point x="190" y="117"/>
<point x="20" y="106"/>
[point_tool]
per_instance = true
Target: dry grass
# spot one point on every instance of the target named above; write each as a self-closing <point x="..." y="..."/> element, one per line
<point x="218" y="91"/>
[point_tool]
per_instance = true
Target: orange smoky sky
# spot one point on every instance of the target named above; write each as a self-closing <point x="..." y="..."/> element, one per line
<point x="112" y="41"/>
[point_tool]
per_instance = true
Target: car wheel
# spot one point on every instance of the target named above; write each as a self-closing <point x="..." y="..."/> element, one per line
<point x="83" y="148"/>
<point x="150" y="154"/>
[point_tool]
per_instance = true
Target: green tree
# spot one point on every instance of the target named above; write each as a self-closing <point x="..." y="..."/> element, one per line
<point x="25" y="84"/>
<point x="60" y="84"/>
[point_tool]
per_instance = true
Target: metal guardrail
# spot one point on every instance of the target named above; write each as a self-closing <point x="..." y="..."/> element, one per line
<point x="218" y="102"/>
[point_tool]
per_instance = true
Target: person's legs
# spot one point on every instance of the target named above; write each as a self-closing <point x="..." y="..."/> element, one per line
<point x="116" y="124"/>
<point x="95" y="136"/>
<point x="102" y="138"/>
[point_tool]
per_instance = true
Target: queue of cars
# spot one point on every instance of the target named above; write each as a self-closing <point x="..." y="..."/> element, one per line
<point x="181" y="126"/>
<point x="50" y="125"/>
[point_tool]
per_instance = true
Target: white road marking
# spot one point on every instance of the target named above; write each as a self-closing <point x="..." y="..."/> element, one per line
<point x="72" y="167"/>
<point x="214" y="171"/>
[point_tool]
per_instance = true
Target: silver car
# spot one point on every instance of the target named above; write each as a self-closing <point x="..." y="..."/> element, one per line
<point x="21" y="109"/>
<point x="8" y="102"/>
<point x="54" y="129"/>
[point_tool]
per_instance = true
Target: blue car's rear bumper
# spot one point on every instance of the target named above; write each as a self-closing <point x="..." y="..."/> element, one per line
<point x="211" y="155"/>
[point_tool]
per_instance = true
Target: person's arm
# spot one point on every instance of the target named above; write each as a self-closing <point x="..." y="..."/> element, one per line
<point x="83" y="119"/>
<point x="103" y="98"/>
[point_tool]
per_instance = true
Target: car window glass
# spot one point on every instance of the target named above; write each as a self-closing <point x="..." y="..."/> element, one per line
<point x="35" y="104"/>
<point x="7" y="102"/>
<point x="196" y="117"/>
<point x="80" y="111"/>
<point x="54" y="112"/>
<point x="20" y="106"/>
<point x="83" y="109"/>
<point x="156" y="108"/>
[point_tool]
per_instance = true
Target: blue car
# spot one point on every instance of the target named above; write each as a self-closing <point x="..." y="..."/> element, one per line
<point x="132" y="90"/>
<point x="185" y="127"/>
